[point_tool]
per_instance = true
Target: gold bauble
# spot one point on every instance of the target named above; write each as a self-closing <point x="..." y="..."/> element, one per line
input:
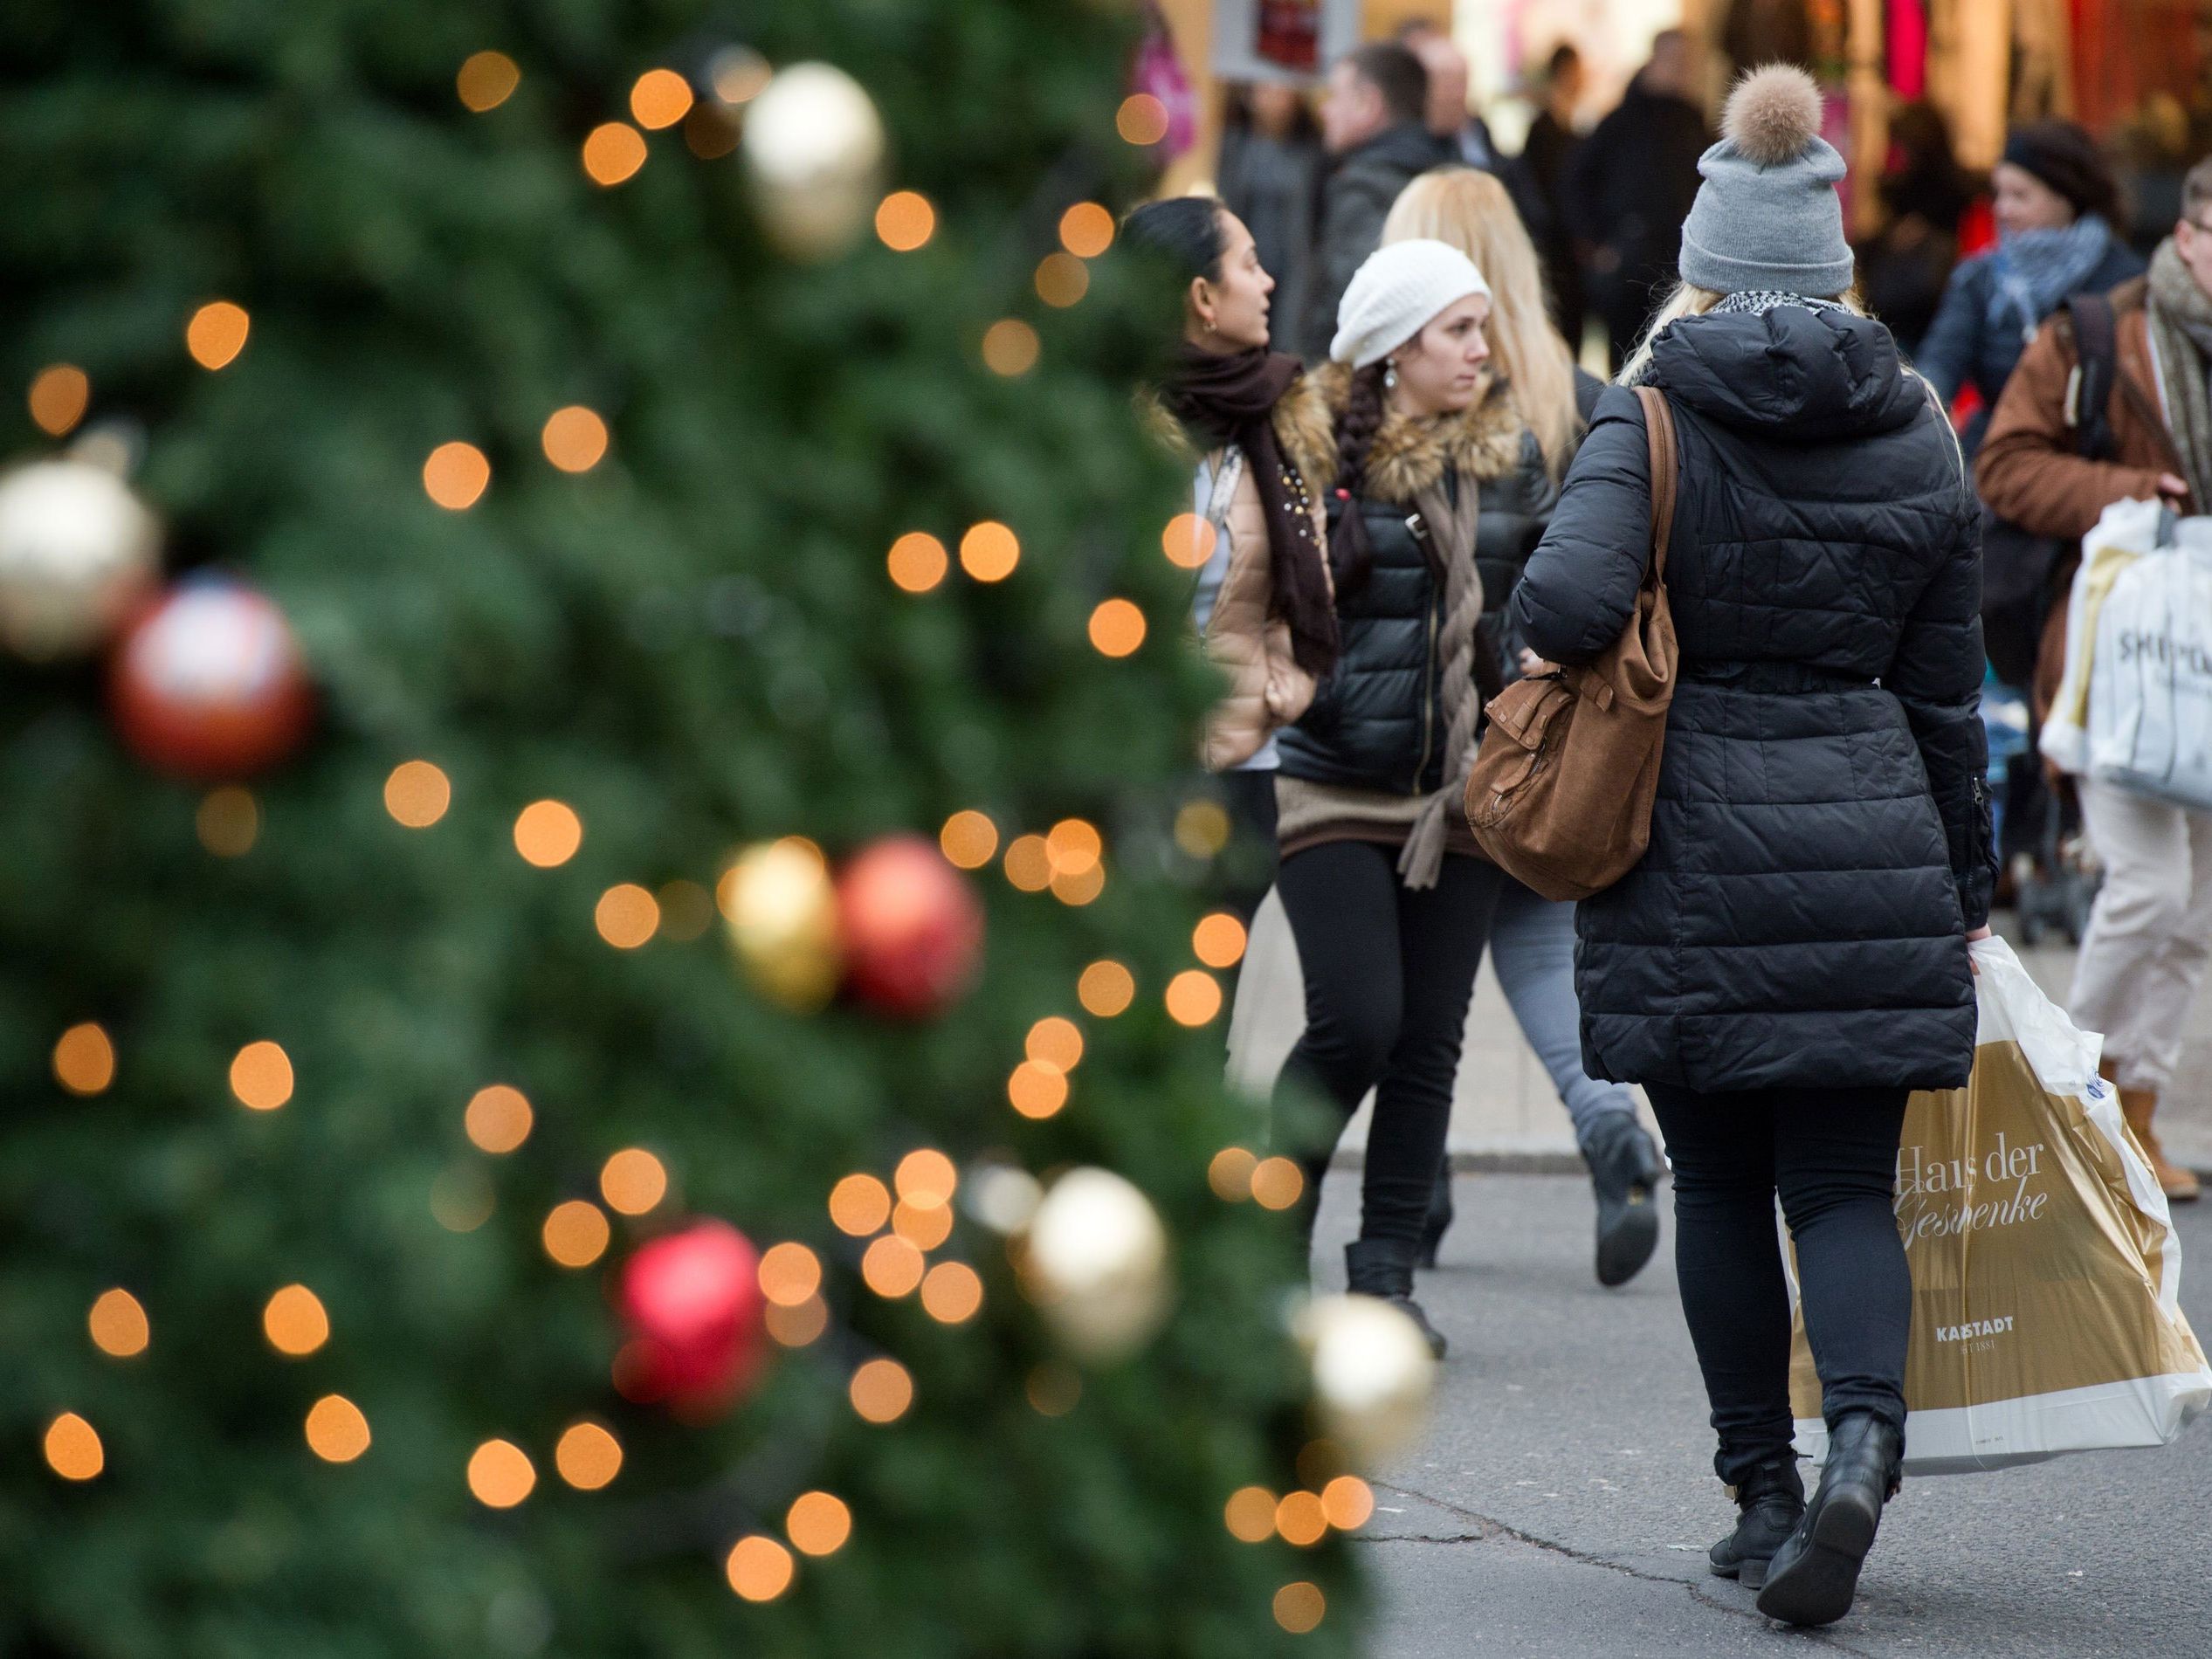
<point x="782" y="911"/>
<point x="814" y="146"/>
<point x="1373" y="1373"/>
<point x="77" y="551"/>
<point x="1096" y="1264"/>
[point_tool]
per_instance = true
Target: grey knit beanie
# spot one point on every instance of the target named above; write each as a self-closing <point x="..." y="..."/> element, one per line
<point x="1767" y="218"/>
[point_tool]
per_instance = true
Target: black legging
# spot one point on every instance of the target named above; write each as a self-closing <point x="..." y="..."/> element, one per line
<point x="1831" y="1153"/>
<point x="1389" y="972"/>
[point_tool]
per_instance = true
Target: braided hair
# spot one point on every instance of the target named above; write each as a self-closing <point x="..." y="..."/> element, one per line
<point x="1351" y="558"/>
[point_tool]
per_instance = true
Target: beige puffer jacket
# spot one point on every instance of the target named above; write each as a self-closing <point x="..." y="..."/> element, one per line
<point x="1267" y="689"/>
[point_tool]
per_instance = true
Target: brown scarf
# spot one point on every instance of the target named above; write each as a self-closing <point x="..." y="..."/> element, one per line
<point x="2180" y="320"/>
<point x="1453" y="525"/>
<point x="1231" y="400"/>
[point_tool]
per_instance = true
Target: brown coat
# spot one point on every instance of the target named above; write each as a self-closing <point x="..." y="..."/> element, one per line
<point x="2030" y="470"/>
<point x="1267" y="689"/>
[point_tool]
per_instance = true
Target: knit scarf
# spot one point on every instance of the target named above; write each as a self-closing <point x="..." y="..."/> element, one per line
<point x="1231" y="400"/>
<point x="2034" y="270"/>
<point x="1758" y="301"/>
<point x="1451" y="526"/>
<point x="2181" y="322"/>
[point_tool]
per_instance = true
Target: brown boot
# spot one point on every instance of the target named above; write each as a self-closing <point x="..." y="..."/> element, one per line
<point x="2136" y="1106"/>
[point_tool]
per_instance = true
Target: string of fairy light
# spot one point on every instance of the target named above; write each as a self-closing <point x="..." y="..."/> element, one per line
<point x="903" y="1222"/>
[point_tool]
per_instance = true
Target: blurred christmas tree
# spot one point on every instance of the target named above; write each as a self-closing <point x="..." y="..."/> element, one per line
<point x="639" y="484"/>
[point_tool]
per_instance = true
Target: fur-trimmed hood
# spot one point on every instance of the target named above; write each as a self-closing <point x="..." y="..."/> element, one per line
<point x="1482" y="442"/>
<point x="1304" y="427"/>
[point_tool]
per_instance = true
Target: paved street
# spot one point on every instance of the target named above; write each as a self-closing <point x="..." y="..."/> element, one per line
<point x="1564" y="1497"/>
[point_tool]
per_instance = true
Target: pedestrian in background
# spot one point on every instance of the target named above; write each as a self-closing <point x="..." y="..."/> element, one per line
<point x="2056" y="204"/>
<point x="1788" y="960"/>
<point x="2150" y="930"/>
<point x="1255" y="430"/>
<point x="1271" y="178"/>
<point x="1374" y="125"/>
<point x="1462" y="137"/>
<point x="1546" y="159"/>
<point x="1532" y="938"/>
<point x="1905" y="268"/>
<point x="1386" y="896"/>
<point x="1631" y="185"/>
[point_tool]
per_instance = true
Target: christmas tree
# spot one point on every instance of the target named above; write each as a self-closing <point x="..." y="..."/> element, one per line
<point x="519" y="1140"/>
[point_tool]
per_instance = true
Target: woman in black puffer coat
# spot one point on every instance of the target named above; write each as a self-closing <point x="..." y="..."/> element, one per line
<point x="1385" y="890"/>
<point x="1789" y="959"/>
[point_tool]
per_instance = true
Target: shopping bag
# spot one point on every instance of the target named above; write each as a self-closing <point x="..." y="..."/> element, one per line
<point x="2127" y="532"/>
<point x="2150" y="677"/>
<point x="2046" y="1273"/>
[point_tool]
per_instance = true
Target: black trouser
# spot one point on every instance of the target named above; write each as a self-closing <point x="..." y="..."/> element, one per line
<point x="1246" y="870"/>
<point x="1831" y="1153"/>
<point x="1388" y="972"/>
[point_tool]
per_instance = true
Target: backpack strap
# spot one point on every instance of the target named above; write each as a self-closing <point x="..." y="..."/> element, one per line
<point x="2089" y="393"/>
<point x="1658" y="428"/>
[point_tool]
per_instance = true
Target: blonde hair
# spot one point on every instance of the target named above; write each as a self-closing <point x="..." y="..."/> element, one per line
<point x="1690" y="301"/>
<point x="1472" y="213"/>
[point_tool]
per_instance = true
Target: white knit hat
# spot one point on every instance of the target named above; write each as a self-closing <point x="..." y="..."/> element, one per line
<point x="1395" y="295"/>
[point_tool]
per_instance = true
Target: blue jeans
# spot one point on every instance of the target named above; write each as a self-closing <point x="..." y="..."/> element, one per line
<point x="1532" y="947"/>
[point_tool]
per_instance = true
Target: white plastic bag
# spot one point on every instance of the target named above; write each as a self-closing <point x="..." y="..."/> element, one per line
<point x="2046" y="1273"/>
<point x="2127" y="531"/>
<point x="2150" y="684"/>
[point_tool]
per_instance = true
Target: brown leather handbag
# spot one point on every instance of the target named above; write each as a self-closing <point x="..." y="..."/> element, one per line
<point x="1560" y="795"/>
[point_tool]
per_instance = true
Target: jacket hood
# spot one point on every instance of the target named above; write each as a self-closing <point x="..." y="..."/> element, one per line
<point x="1482" y="443"/>
<point x="1793" y="373"/>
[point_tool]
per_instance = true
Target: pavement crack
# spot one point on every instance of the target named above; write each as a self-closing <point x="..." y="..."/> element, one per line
<point x="1491" y="1528"/>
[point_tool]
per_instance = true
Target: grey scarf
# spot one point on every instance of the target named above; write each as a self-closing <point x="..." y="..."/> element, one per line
<point x="2180" y="323"/>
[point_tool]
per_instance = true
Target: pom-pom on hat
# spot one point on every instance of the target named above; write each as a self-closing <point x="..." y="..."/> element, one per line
<point x="1393" y="296"/>
<point x="1767" y="218"/>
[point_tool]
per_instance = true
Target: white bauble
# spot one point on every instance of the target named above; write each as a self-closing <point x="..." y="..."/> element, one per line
<point x="77" y="551"/>
<point x="814" y="145"/>
<point x="1373" y="1373"/>
<point x="1096" y="1263"/>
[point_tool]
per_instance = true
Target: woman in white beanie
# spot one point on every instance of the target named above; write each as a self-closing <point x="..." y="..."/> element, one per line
<point x="1534" y="385"/>
<point x="1789" y="960"/>
<point x="1380" y="878"/>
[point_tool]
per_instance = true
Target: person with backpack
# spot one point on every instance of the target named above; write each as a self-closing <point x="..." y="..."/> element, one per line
<point x="1386" y="895"/>
<point x="2150" y="930"/>
<point x="1532" y="940"/>
<point x="1787" y="960"/>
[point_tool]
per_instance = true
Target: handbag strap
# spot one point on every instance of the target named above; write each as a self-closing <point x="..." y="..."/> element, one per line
<point x="1658" y="428"/>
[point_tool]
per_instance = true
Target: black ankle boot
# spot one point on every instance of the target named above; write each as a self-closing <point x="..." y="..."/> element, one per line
<point x="1384" y="1267"/>
<point x="1772" y="1502"/>
<point x="1815" y="1574"/>
<point x="1625" y="1168"/>
<point x="1440" y="1214"/>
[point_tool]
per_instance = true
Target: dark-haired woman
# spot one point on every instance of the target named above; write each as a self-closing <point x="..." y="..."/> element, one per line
<point x="1256" y="433"/>
<point x="2055" y="205"/>
<point x="1386" y="895"/>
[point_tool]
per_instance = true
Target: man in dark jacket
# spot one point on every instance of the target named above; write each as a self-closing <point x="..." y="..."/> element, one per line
<point x="1373" y="122"/>
<point x="1630" y="187"/>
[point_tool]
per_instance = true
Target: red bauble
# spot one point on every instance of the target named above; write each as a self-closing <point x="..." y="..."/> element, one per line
<point x="209" y="682"/>
<point x="693" y="1305"/>
<point x="912" y="928"/>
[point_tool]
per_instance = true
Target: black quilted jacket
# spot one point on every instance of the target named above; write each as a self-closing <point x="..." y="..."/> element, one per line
<point x="1377" y="722"/>
<point x="1821" y="841"/>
